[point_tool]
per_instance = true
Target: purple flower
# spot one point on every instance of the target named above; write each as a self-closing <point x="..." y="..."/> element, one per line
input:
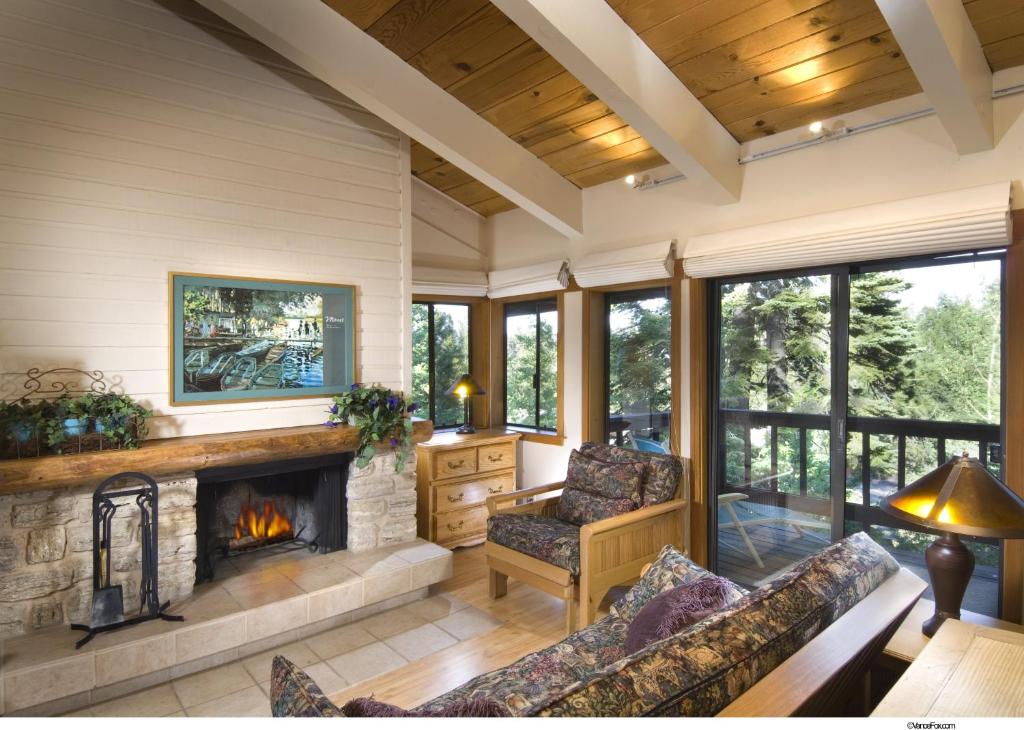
<point x="392" y="402"/>
<point x="373" y="403"/>
<point x="355" y="386"/>
<point x="413" y="407"/>
<point x="394" y="442"/>
<point x="334" y="409"/>
<point x="330" y="424"/>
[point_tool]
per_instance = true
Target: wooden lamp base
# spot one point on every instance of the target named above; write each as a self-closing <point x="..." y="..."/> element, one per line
<point x="950" y="565"/>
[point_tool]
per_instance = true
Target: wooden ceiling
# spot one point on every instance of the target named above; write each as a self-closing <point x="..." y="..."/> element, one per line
<point x="760" y="66"/>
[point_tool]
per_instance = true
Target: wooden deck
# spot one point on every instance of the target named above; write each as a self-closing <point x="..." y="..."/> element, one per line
<point x="780" y="545"/>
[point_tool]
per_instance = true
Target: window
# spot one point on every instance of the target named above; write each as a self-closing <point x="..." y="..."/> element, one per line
<point x="531" y="364"/>
<point x="836" y="388"/>
<point x="440" y="354"/>
<point x="638" y="364"/>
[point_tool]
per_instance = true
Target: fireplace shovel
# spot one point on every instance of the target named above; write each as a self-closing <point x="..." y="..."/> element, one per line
<point x="107" y="600"/>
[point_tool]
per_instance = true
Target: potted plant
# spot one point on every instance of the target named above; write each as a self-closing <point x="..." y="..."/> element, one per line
<point x="120" y="419"/>
<point x="68" y="418"/>
<point x="379" y="413"/>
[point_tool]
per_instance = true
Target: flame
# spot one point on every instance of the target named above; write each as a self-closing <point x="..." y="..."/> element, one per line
<point x="263" y="525"/>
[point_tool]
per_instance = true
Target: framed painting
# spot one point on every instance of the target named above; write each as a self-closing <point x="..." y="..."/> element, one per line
<point x="242" y="339"/>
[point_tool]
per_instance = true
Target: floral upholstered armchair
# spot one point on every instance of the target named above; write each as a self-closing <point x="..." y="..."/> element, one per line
<point x="615" y="511"/>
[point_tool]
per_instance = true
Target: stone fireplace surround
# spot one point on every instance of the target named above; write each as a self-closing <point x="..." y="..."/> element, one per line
<point x="46" y="583"/>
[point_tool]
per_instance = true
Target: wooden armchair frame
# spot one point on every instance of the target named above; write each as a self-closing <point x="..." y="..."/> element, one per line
<point x="612" y="551"/>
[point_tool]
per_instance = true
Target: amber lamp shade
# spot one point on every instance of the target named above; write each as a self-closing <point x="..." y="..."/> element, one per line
<point x="961" y="497"/>
<point x="464" y="388"/>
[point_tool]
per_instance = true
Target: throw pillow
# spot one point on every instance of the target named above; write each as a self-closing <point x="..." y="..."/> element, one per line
<point x="581" y="508"/>
<point x="672" y="611"/>
<point x="473" y="707"/>
<point x="615" y="480"/>
<point x="294" y="694"/>
<point x="661" y="477"/>
<point x="670" y="569"/>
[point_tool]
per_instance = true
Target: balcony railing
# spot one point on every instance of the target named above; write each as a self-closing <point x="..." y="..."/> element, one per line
<point x="861" y="429"/>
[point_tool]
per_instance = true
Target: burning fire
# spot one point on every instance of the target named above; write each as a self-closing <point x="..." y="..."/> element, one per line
<point x="264" y="525"/>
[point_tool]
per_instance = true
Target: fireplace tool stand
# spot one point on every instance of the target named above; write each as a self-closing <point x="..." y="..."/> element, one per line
<point x="108" y="600"/>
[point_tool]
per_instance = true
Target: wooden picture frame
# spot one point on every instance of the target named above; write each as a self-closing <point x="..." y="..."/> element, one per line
<point x="236" y="339"/>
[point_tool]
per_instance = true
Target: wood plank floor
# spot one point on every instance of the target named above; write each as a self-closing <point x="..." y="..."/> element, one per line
<point x="531" y="620"/>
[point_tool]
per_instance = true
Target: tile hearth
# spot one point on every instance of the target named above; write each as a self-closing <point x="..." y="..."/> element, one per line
<point x="257" y="602"/>
<point x="336" y="659"/>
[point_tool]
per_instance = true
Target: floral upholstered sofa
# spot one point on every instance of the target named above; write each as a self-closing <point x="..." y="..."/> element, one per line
<point x="696" y="672"/>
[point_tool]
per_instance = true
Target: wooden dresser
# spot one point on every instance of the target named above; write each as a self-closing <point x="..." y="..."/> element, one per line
<point x="455" y="474"/>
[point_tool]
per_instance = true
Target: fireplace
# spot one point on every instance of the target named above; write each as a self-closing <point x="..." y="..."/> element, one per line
<point x="291" y="504"/>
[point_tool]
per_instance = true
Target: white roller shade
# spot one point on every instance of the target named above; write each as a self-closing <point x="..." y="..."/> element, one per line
<point x="939" y="223"/>
<point x="626" y="265"/>
<point x="448" y="282"/>
<point x="535" y="279"/>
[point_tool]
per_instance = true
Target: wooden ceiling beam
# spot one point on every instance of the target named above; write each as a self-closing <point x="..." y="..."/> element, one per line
<point x="329" y="46"/>
<point x="944" y="51"/>
<point x="594" y="44"/>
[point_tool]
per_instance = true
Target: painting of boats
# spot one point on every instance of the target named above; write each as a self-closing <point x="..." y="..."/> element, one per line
<point x="269" y="376"/>
<point x="209" y="376"/>
<point x="235" y="338"/>
<point x="239" y="377"/>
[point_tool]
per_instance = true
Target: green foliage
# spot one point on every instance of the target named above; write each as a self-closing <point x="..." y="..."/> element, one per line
<point x="119" y="418"/>
<point x="379" y="413"/>
<point x="941" y="363"/>
<point x="451" y="358"/>
<point x="521" y="365"/>
<point x="640" y="356"/>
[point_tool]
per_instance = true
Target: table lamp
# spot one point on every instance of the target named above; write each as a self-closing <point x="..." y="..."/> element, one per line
<point x="961" y="497"/>
<point x="465" y="387"/>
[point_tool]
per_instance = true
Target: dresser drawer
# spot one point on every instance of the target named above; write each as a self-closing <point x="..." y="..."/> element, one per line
<point x="453" y="525"/>
<point x="472" y="491"/>
<point x="455" y="463"/>
<point x="497" y="456"/>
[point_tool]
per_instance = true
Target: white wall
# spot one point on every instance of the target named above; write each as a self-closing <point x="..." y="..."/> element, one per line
<point x="901" y="161"/>
<point x="139" y="137"/>
<point x="445" y="234"/>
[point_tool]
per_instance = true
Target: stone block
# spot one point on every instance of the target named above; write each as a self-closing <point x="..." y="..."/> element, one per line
<point x="8" y="554"/>
<point x="364" y="488"/>
<point x="55" y="511"/>
<point x="361" y="537"/>
<point x="46" y="544"/>
<point x="11" y="621"/>
<point x="37" y="584"/>
<point x="122" y="533"/>
<point x="47" y="613"/>
<point x="398" y="531"/>
<point x="362" y="511"/>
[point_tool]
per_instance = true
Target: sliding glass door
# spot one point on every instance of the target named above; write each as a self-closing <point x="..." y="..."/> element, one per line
<point x="774" y="395"/>
<point x="835" y="388"/>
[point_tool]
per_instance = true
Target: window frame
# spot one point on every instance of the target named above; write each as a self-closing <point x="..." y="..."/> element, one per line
<point x="840" y="420"/>
<point x="499" y="370"/>
<point x="431" y="302"/>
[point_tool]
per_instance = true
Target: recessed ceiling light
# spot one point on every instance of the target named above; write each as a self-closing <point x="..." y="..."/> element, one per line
<point x="815" y="127"/>
<point x="630" y="179"/>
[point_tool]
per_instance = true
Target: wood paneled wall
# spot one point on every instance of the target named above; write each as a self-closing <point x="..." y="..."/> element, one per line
<point x="144" y="136"/>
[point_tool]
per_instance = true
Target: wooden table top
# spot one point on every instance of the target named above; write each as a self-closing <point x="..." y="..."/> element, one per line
<point x="966" y="670"/>
<point x="908" y="641"/>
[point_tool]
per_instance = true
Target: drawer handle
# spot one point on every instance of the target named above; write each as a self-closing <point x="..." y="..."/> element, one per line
<point x="492" y="458"/>
<point x="456" y="528"/>
<point x="456" y="464"/>
<point x="494" y="490"/>
<point x="456" y="499"/>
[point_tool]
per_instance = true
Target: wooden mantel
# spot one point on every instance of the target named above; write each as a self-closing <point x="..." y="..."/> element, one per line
<point x="165" y="457"/>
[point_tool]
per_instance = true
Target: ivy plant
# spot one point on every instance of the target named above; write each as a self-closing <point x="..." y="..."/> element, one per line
<point x="380" y="414"/>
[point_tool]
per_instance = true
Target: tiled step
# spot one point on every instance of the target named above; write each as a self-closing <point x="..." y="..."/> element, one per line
<point x="260" y="602"/>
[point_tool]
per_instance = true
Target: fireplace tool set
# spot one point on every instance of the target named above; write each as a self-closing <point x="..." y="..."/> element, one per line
<point x="108" y="600"/>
